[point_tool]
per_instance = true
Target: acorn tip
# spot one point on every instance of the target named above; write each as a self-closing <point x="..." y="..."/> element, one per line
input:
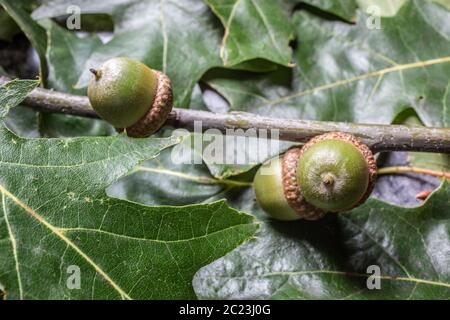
<point x="95" y="73"/>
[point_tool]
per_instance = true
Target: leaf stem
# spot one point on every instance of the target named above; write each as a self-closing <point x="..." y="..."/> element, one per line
<point x="396" y="170"/>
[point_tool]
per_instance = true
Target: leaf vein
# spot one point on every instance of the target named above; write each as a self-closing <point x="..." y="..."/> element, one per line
<point x="61" y="235"/>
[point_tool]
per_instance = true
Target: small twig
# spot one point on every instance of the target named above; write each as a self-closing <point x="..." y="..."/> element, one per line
<point x="396" y="170"/>
<point x="378" y="137"/>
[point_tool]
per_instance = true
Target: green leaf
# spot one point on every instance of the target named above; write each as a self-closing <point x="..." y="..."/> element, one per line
<point x="34" y="32"/>
<point x="445" y="3"/>
<point x="55" y="214"/>
<point x="328" y="259"/>
<point x="352" y="73"/>
<point x="23" y="121"/>
<point x="13" y="93"/>
<point x="433" y="161"/>
<point x="383" y="8"/>
<point x="164" y="181"/>
<point x="346" y="9"/>
<point x="244" y="20"/>
<point x="231" y="154"/>
<point x="67" y="49"/>
<point x="58" y="125"/>
<point x="184" y="39"/>
<point x="9" y="27"/>
<point x="242" y="152"/>
<point x="181" y="176"/>
<point x="389" y="8"/>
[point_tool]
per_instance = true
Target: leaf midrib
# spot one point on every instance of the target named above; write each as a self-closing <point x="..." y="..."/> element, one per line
<point x="64" y="230"/>
<point x="342" y="273"/>
<point x="364" y="76"/>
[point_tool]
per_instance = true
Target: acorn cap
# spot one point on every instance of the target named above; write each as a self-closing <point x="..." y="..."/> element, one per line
<point x="332" y="175"/>
<point x="130" y="95"/>
<point x="157" y="114"/>
<point x="291" y="189"/>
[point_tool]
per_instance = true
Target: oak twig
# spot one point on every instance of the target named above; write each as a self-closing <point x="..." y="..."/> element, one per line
<point x="378" y="137"/>
<point x="397" y="170"/>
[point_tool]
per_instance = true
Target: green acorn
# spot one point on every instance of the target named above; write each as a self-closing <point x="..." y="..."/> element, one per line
<point x="333" y="172"/>
<point x="336" y="172"/>
<point x="277" y="190"/>
<point x="131" y="96"/>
